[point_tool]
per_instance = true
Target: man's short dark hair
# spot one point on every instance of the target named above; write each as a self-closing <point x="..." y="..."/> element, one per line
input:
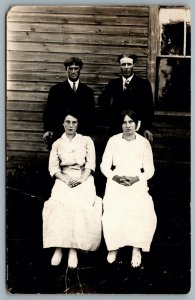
<point x="73" y="61"/>
<point x="132" y="56"/>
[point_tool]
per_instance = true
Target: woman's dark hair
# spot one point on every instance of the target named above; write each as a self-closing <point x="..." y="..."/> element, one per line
<point x="73" y="113"/>
<point x="129" y="113"/>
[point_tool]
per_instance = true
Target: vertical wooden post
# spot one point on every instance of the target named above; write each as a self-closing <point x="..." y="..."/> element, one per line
<point x="153" y="44"/>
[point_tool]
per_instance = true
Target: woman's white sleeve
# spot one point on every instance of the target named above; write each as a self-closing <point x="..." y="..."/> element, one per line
<point x="90" y="154"/>
<point x="107" y="160"/>
<point x="147" y="163"/>
<point x="54" y="161"/>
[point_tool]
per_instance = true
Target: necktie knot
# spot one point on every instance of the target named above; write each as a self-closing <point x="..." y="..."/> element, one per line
<point x="126" y="84"/>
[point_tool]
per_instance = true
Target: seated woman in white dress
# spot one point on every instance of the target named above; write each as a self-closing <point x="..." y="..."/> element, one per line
<point x="72" y="215"/>
<point x="129" y="217"/>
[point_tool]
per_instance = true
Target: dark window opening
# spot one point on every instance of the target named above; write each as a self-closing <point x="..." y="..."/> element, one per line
<point x="172" y="39"/>
<point x="173" y="84"/>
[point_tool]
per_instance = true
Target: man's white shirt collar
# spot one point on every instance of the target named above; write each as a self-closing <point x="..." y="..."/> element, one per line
<point x="127" y="80"/>
<point x="71" y="83"/>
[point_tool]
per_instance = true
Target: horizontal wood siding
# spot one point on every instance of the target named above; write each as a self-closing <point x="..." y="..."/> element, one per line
<point x="40" y="38"/>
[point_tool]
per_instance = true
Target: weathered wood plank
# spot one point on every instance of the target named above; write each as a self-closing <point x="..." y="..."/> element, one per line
<point x="161" y="113"/>
<point x="21" y="116"/>
<point x="30" y="86"/>
<point x="18" y="157"/>
<point x="167" y="127"/>
<point x="140" y="41"/>
<point x="25" y="106"/>
<point x="25" y="126"/>
<point x="35" y="57"/>
<point x="26" y="96"/>
<point x="24" y="136"/>
<point x="79" y="50"/>
<point x="130" y="30"/>
<point x="26" y="146"/>
<point x="171" y="121"/>
<point x="173" y="134"/>
<point x="103" y="10"/>
<point x="77" y="19"/>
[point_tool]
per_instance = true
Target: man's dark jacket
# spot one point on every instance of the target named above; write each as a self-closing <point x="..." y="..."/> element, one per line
<point x="61" y="98"/>
<point x="137" y="97"/>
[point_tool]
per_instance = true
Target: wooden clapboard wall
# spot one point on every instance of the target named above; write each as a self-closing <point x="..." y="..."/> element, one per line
<point x="39" y="38"/>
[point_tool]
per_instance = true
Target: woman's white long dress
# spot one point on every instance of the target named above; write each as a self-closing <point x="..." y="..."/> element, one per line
<point x="129" y="217"/>
<point x="72" y="216"/>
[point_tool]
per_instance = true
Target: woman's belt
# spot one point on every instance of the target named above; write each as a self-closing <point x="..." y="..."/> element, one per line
<point x="73" y="171"/>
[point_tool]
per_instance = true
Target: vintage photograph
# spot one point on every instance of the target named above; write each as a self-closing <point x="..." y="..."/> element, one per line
<point x="98" y="114"/>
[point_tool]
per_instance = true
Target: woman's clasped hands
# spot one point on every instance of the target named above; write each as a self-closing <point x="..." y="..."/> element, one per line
<point x="126" y="180"/>
<point x="72" y="181"/>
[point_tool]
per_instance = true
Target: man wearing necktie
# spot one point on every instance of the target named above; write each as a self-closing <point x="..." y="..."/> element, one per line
<point x="70" y="94"/>
<point x="129" y="91"/>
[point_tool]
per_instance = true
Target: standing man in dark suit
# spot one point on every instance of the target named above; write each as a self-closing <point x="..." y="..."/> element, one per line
<point x="129" y="92"/>
<point x="71" y="94"/>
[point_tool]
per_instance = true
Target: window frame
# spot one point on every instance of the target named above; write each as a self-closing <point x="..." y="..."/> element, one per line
<point x="154" y="53"/>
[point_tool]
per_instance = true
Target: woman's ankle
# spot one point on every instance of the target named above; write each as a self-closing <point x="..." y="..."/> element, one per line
<point x="72" y="258"/>
<point x="112" y="256"/>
